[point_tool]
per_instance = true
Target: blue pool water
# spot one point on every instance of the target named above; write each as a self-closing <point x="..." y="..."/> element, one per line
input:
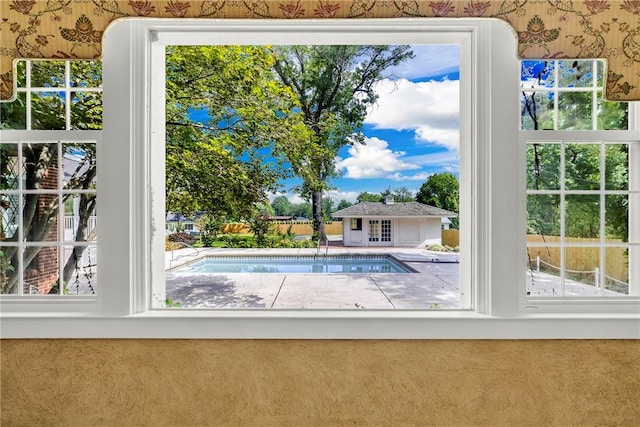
<point x="294" y="264"/>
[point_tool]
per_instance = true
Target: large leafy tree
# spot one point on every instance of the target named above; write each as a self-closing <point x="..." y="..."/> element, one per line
<point x="282" y="206"/>
<point x="441" y="190"/>
<point x="231" y="127"/>
<point x="40" y="212"/>
<point x="334" y="85"/>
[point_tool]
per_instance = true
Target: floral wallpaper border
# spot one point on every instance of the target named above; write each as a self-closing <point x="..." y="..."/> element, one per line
<point x="608" y="29"/>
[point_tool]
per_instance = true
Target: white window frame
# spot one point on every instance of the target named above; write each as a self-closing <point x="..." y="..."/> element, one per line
<point x="23" y="303"/>
<point x="130" y="200"/>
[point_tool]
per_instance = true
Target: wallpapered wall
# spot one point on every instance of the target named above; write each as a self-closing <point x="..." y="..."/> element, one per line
<point x="324" y="383"/>
<point x="159" y="383"/>
<point x="546" y="28"/>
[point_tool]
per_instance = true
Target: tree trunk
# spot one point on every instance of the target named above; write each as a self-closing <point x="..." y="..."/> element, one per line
<point x="318" y="219"/>
<point x="87" y="204"/>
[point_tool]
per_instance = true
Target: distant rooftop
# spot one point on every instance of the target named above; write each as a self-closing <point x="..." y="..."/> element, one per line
<point x="364" y="209"/>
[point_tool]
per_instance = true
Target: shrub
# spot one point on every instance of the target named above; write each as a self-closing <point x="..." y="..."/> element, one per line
<point x="182" y="237"/>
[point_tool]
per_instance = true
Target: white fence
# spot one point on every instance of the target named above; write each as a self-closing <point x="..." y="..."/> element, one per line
<point x="600" y="280"/>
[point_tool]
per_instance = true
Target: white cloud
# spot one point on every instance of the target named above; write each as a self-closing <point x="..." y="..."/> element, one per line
<point x="430" y="109"/>
<point x="337" y="195"/>
<point x="430" y="60"/>
<point x="420" y="176"/>
<point x="443" y="159"/>
<point x="293" y="197"/>
<point x="373" y="160"/>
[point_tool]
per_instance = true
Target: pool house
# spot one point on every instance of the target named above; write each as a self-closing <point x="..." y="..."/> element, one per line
<point x="392" y="224"/>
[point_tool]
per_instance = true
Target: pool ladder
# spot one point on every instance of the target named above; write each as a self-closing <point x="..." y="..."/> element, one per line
<point x="326" y="249"/>
<point x="186" y="245"/>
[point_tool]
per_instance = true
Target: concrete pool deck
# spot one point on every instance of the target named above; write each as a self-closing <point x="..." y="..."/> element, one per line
<point x="434" y="285"/>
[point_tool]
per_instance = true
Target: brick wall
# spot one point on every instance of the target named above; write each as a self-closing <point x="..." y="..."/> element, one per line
<point x="42" y="273"/>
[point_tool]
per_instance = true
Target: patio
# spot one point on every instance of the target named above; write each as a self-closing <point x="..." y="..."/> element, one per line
<point x="434" y="285"/>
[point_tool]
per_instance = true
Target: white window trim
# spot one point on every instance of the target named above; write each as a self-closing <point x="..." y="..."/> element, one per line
<point x="126" y="200"/>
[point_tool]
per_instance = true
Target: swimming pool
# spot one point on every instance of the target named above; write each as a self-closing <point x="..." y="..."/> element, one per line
<point x="347" y="264"/>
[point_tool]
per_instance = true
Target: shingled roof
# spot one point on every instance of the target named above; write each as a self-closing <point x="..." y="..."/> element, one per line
<point x="365" y="209"/>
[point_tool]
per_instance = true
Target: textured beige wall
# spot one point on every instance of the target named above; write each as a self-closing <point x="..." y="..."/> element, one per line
<point x="319" y="383"/>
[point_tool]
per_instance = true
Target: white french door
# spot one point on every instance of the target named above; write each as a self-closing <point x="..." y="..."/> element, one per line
<point x="380" y="232"/>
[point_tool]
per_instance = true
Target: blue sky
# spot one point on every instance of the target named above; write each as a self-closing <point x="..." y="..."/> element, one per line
<point x="411" y="133"/>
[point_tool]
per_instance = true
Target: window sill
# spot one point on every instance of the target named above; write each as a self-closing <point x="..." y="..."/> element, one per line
<point x="242" y="324"/>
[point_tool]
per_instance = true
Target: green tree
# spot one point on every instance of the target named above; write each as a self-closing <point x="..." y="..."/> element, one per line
<point x="365" y="196"/>
<point x="441" y="190"/>
<point x="225" y="113"/>
<point x="403" y="195"/>
<point x="334" y="85"/>
<point x="343" y="204"/>
<point x="282" y="206"/>
<point x="260" y="222"/>
<point x="209" y="226"/>
<point x="303" y="210"/>
<point x="327" y="208"/>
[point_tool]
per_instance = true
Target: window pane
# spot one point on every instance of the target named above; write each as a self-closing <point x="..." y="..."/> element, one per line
<point x="47" y="74"/>
<point x="617" y="217"/>
<point x="80" y="274"/>
<point x="617" y="167"/>
<point x="80" y="218"/>
<point x="41" y="270"/>
<point x="575" y="73"/>
<point x="600" y="76"/>
<point x="575" y="111"/>
<point x="40" y="217"/>
<point x="543" y="267"/>
<point x="47" y="111"/>
<point x="612" y="115"/>
<point x="582" y="166"/>
<point x="79" y="163"/>
<point x="582" y="268"/>
<point x="9" y="208"/>
<point x="86" y="110"/>
<point x="536" y="110"/>
<point x="40" y="166"/>
<point x="13" y="115"/>
<point x="543" y="214"/>
<point x="543" y="166"/>
<point x="9" y="200"/>
<point x="616" y="273"/>
<point x="9" y="166"/>
<point x="8" y="270"/>
<point x="582" y="218"/>
<point x="536" y="74"/>
<point x="21" y="74"/>
<point x="86" y="74"/>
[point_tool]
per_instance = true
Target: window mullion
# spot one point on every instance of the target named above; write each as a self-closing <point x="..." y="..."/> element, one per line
<point x="20" y="221"/>
<point x="594" y="96"/>
<point x="562" y="217"/>
<point x="67" y="96"/>
<point x="28" y="94"/>
<point x="603" y="240"/>
<point x="60" y="219"/>
<point x="556" y="93"/>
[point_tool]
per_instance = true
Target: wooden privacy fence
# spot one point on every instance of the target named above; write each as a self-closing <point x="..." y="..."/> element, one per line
<point x="582" y="258"/>
<point x="451" y="238"/>
<point x="300" y="228"/>
<point x="578" y="259"/>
